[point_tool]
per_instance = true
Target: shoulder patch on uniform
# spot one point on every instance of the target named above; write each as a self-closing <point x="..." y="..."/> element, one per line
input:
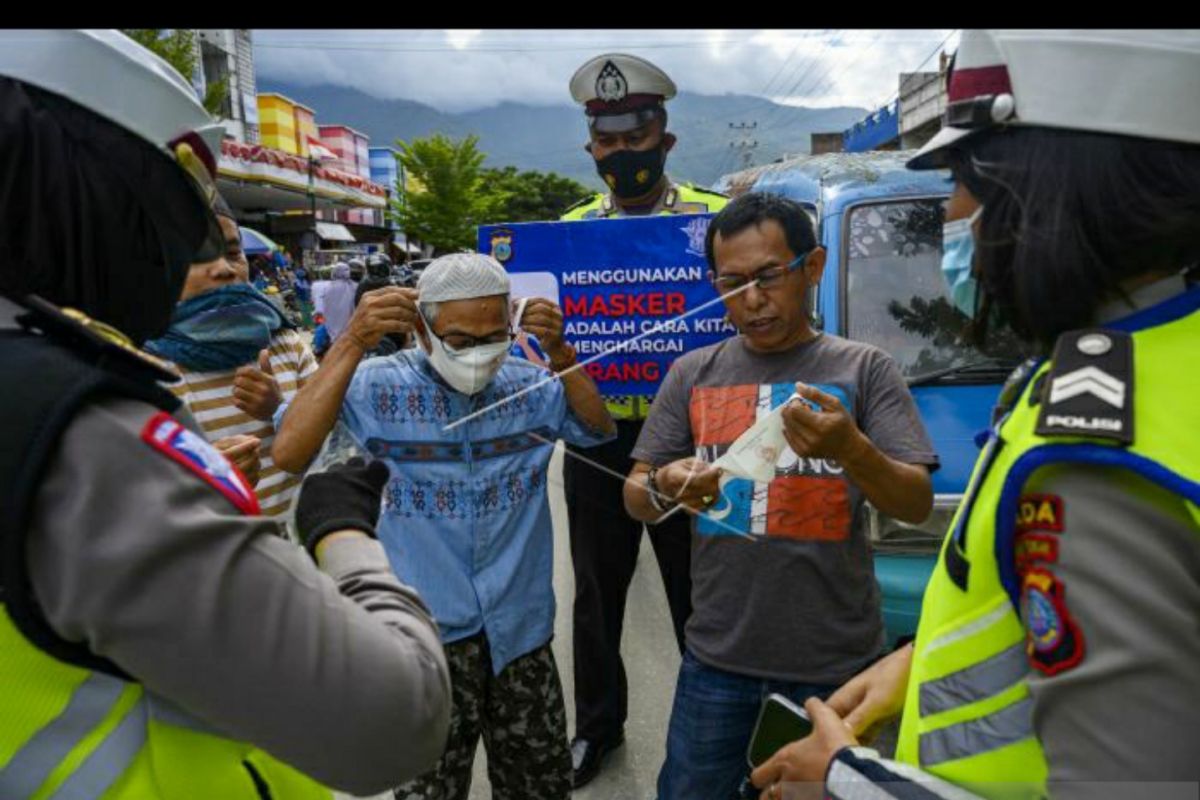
<point x="591" y="198"/>
<point x="704" y="190"/>
<point x="1089" y="391"/>
<point x="1040" y="512"/>
<point x="166" y="435"/>
<point x="1054" y="642"/>
<point x="1034" y="548"/>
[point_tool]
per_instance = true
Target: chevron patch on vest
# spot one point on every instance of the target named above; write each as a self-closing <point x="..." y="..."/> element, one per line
<point x="197" y="456"/>
<point x="1089" y="392"/>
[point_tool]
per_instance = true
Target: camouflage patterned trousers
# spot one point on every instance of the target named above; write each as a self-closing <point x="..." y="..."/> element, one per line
<point x="522" y="719"/>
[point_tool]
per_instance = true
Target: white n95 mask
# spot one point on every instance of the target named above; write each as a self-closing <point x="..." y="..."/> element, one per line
<point x="470" y="370"/>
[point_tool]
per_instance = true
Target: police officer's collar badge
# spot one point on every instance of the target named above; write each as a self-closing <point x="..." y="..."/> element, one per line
<point x="114" y="337"/>
<point x="73" y="326"/>
<point x="611" y="85"/>
<point x="166" y="435"/>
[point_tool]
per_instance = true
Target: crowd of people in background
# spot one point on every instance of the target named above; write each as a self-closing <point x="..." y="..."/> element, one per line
<point x="431" y="628"/>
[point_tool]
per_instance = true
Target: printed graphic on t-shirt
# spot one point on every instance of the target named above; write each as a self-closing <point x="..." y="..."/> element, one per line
<point x="808" y="499"/>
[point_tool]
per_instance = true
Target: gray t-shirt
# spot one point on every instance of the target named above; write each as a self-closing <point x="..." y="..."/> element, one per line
<point x="799" y="602"/>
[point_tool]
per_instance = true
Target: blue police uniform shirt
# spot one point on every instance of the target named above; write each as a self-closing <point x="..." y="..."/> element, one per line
<point x="466" y="518"/>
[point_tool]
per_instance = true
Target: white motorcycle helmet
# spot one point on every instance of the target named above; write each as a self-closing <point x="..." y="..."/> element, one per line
<point x="1141" y="83"/>
<point x="108" y="163"/>
<point x="109" y="74"/>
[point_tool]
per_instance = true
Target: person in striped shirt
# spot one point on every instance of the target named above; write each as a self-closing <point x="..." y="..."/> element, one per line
<point x="238" y="359"/>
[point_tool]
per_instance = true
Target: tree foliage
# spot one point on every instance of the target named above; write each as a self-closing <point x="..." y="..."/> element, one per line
<point x="455" y="198"/>
<point x="534" y="196"/>
<point x="177" y="47"/>
<point x="451" y="193"/>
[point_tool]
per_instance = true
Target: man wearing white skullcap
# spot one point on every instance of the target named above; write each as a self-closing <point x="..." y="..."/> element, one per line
<point x="466" y="519"/>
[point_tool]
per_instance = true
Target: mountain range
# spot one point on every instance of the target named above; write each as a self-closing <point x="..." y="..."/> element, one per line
<point x="551" y="138"/>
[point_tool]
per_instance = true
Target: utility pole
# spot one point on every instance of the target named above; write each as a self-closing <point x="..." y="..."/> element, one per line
<point x="742" y="141"/>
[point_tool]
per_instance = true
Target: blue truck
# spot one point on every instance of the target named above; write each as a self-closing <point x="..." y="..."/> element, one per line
<point x="882" y="226"/>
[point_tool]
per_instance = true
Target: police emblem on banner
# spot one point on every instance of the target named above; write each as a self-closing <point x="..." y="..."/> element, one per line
<point x="611" y="85"/>
<point x="697" y="231"/>
<point x="501" y="245"/>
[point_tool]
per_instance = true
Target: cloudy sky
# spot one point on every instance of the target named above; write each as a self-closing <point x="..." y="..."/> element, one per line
<point x="458" y="70"/>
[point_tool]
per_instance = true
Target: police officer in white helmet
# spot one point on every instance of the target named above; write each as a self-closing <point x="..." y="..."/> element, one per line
<point x="157" y="639"/>
<point x="1059" y="644"/>
<point x="624" y="99"/>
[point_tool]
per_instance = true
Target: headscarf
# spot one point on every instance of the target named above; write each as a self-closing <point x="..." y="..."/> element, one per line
<point x="92" y="216"/>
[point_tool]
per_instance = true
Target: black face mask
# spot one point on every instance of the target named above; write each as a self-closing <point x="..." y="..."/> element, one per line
<point x="632" y="173"/>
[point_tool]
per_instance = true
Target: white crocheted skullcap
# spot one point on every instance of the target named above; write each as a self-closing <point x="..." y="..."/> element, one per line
<point x="462" y="276"/>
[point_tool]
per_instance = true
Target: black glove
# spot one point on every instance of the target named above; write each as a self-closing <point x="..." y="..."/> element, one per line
<point x="344" y="498"/>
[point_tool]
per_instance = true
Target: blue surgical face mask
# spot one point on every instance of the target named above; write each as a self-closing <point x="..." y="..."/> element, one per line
<point x="958" y="252"/>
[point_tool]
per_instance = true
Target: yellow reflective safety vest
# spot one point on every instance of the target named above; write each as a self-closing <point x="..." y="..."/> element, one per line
<point x="681" y="198"/>
<point x="73" y="726"/>
<point x="968" y="711"/>
<point x="71" y="733"/>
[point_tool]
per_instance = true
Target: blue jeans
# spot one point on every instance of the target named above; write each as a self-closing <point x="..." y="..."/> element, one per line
<point x="711" y="722"/>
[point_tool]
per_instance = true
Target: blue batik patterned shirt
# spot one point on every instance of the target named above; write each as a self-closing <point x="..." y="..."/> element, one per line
<point x="466" y="519"/>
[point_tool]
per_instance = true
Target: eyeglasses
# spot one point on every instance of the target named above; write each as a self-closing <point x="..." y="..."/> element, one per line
<point x="458" y="342"/>
<point x="768" y="278"/>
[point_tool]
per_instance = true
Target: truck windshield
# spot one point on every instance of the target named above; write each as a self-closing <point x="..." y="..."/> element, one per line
<point x="897" y="299"/>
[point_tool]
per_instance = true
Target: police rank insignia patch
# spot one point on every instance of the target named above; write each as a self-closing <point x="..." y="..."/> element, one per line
<point x="1089" y="391"/>
<point x="1054" y="642"/>
<point x="184" y="447"/>
<point x="611" y="85"/>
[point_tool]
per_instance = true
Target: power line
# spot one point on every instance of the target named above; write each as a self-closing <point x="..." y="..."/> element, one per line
<point x="935" y="51"/>
<point x="827" y="79"/>
<point x="783" y="66"/>
<point x="525" y="46"/>
<point x="743" y="144"/>
<point x="780" y="111"/>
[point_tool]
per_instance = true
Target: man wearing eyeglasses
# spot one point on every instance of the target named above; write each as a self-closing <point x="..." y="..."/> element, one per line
<point x="783" y="592"/>
<point x="466" y="518"/>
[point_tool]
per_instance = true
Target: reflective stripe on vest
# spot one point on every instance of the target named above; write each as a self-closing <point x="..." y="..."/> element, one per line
<point x="627" y="407"/>
<point x="1007" y="726"/>
<point x="108" y="761"/>
<point x="90" y="704"/>
<point x="977" y="682"/>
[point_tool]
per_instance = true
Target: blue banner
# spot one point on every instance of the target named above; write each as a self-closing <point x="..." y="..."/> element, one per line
<point x="616" y="281"/>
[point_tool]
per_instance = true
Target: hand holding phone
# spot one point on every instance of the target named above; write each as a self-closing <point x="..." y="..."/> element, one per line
<point x="780" y="722"/>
